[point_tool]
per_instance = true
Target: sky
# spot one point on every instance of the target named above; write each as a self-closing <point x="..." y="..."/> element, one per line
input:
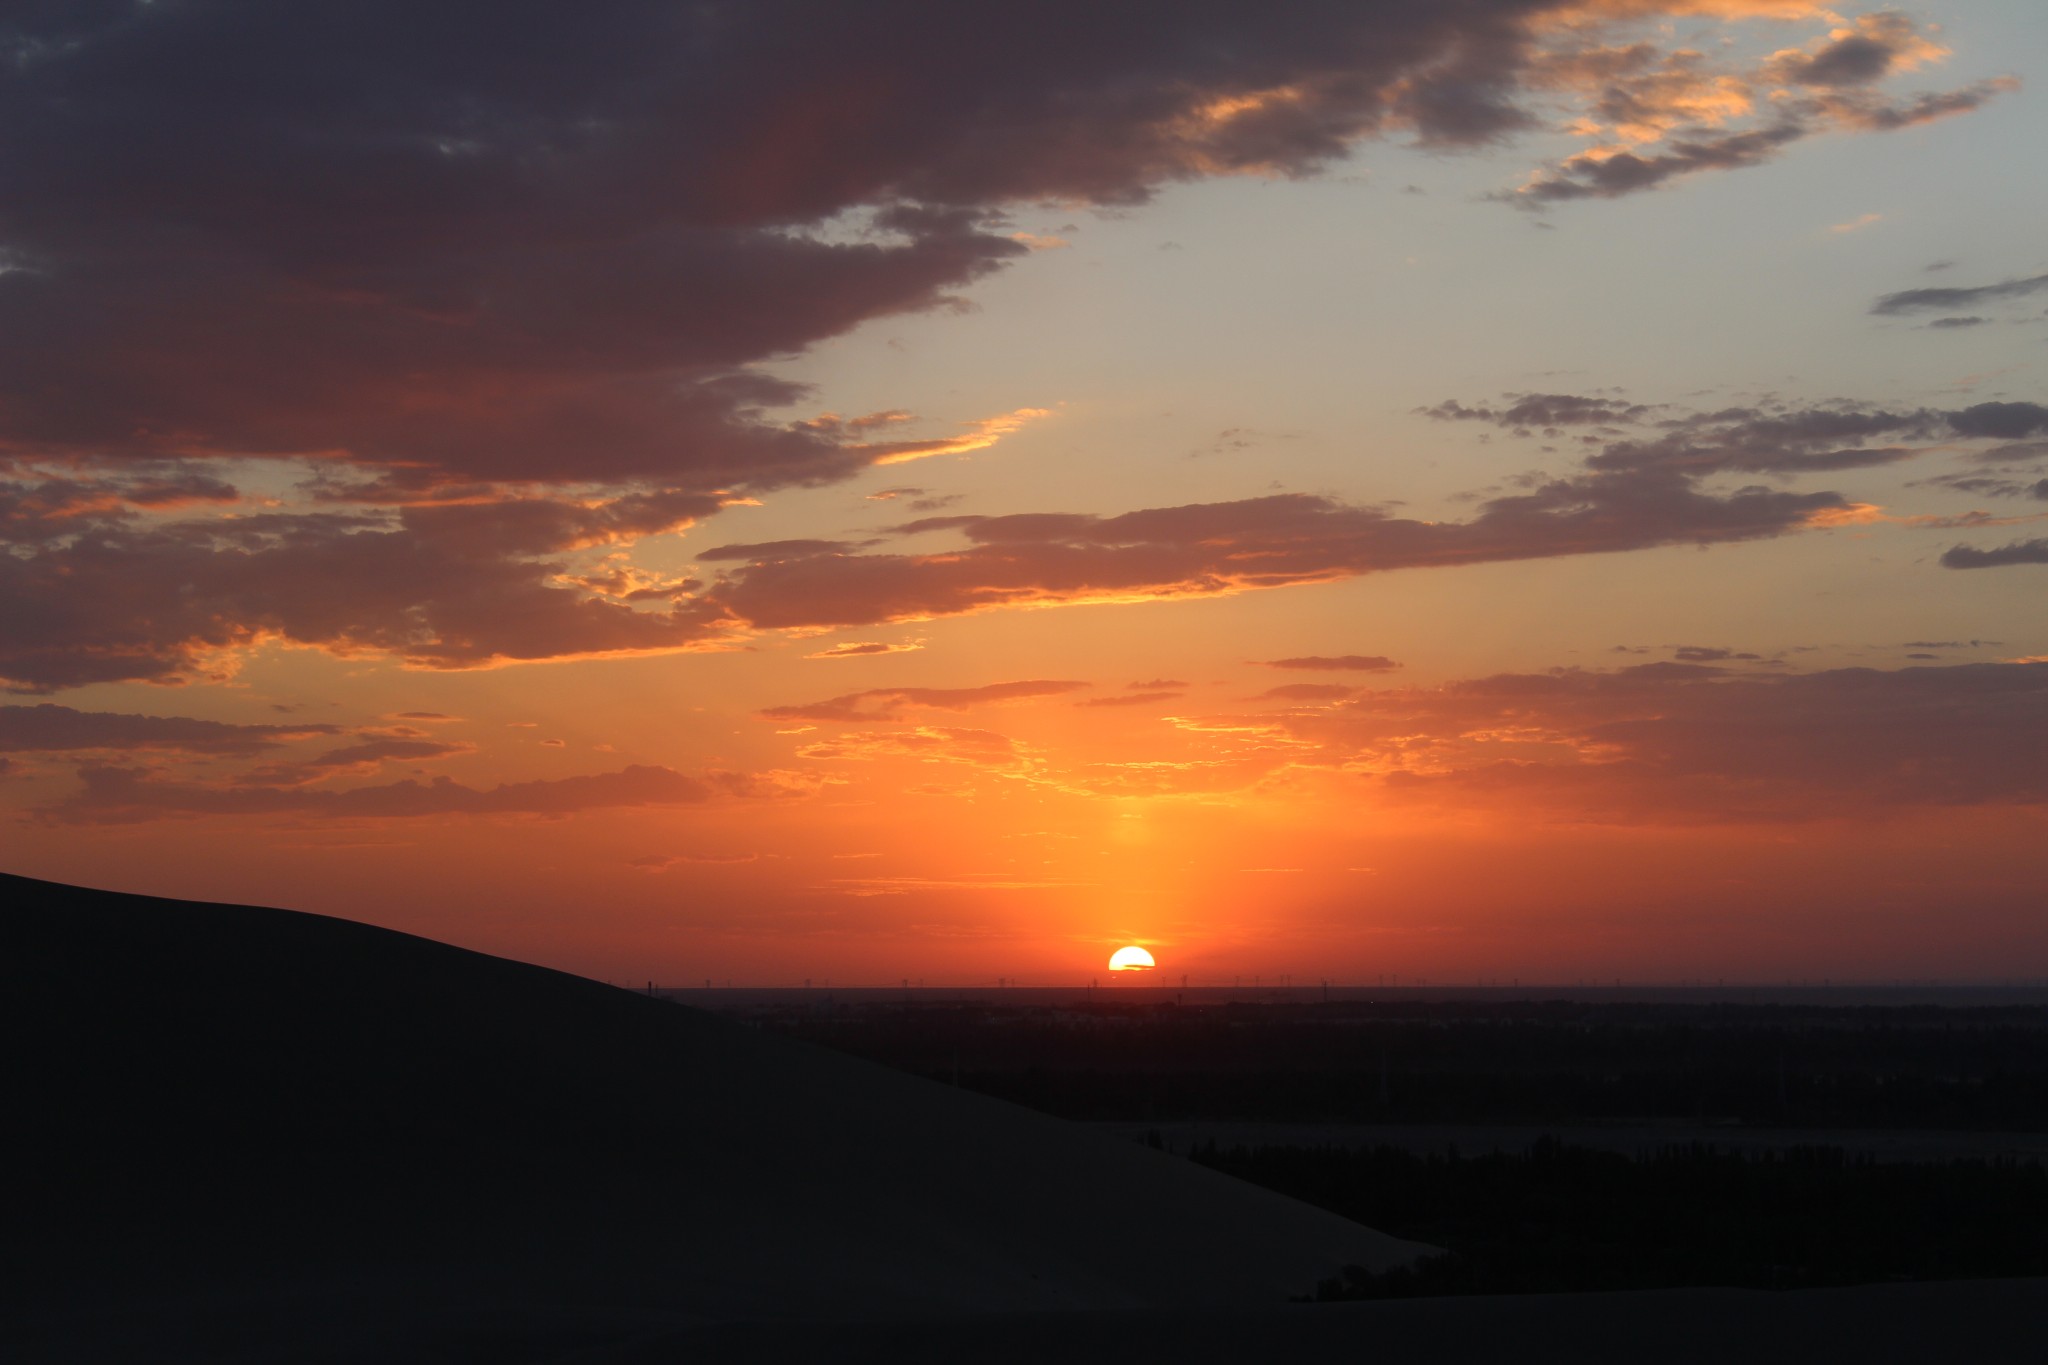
<point x="1548" y="490"/>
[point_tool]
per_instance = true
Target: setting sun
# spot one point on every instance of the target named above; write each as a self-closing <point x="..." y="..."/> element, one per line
<point x="1131" y="959"/>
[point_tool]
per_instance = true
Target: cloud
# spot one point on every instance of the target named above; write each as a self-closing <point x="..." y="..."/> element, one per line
<point x="40" y="505"/>
<point x="1874" y="47"/>
<point x="1667" y="742"/>
<point x="1312" y="692"/>
<point x="861" y="649"/>
<point x="662" y="862"/>
<point x="1774" y="438"/>
<point x="551" y="255"/>
<point x="2019" y="552"/>
<point x="1987" y="485"/>
<point x="122" y="795"/>
<point x="780" y="549"/>
<point x="547" y="256"/>
<point x="2001" y="421"/>
<point x="499" y="292"/>
<point x="351" y="760"/>
<point x="1706" y="654"/>
<point x="1791" y="747"/>
<point x="48" y="728"/>
<point x="1541" y="410"/>
<point x="1337" y="663"/>
<point x="164" y="603"/>
<point x="1695" y="117"/>
<point x="1955" y="300"/>
<point x="1682" y="742"/>
<point x="889" y="703"/>
<point x="1130" y="699"/>
<point x="1208" y="548"/>
<point x="503" y="580"/>
<point x="1856" y="224"/>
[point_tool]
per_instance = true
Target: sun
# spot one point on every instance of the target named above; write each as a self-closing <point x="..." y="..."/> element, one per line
<point x="1131" y="959"/>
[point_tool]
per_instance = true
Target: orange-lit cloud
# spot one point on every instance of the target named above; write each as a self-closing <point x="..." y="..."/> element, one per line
<point x="923" y="743"/>
<point x="888" y="703"/>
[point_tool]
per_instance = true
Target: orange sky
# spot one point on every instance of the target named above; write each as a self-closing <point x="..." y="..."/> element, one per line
<point x="1546" y="491"/>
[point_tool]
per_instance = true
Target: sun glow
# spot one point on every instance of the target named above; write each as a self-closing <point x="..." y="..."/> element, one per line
<point x="1131" y="959"/>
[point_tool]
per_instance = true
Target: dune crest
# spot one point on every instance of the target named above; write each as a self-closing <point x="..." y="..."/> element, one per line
<point x="242" y="1097"/>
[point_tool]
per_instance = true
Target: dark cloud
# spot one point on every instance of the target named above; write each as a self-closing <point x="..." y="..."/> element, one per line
<point x="1868" y="114"/>
<point x="1706" y="654"/>
<point x="119" y="795"/>
<point x="1542" y="410"/>
<point x="1337" y="663"/>
<point x="155" y="604"/>
<point x="2018" y="452"/>
<point x="1855" y="60"/>
<point x="1612" y="176"/>
<point x="2019" y="552"/>
<point x="887" y="703"/>
<point x="1156" y="685"/>
<point x="1952" y="324"/>
<point x="539" y="526"/>
<point x="58" y="729"/>
<point x="1260" y="542"/>
<point x="2002" y="421"/>
<point x="1774" y="439"/>
<point x="1956" y="300"/>
<point x="530" y="244"/>
<point x="351" y="760"/>
<point x="527" y="243"/>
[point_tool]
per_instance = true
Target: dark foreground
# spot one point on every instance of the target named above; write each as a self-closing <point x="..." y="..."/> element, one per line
<point x="1983" y="1323"/>
<point x="245" y="1135"/>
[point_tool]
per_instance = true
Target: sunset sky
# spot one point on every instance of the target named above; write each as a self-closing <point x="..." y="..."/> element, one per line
<point x="1464" y="489"/>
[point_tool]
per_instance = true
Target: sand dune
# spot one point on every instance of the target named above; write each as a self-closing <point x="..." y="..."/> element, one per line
<point x="234" y="1109"/>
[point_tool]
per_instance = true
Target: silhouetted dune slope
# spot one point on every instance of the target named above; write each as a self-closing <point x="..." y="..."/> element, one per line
<point x="222" y="1100"/>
